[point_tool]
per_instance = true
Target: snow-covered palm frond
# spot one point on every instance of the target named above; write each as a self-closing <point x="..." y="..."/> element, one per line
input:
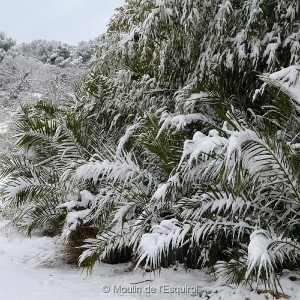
<point x="77" y="139"/>
<point x="287" y="80"/>
<point x="214" y="203"/>
<point x="124" y="170"/>
<point x="25" y="190"/>
<point x="273" y="162"/>
<point x="202" y="147"/>
<point x="267" y="252"/>
<point x="285" y="110"/>
<point x="41" y="215"/>
<point x="38" y="132"/>
<point x="181" y="121"/>
<point x="163" y="238"/>
<point x="36" y="129"/>
<point x="15" y="165"/>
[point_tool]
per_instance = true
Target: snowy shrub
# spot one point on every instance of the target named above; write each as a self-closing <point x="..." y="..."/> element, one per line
<point x="185" y="153"/>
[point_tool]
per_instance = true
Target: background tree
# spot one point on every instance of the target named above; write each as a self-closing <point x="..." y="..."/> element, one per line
<point x="56" y="53"/>
<point x="6" y="43"/>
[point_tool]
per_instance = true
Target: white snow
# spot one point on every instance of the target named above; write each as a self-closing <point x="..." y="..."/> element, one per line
<point x="129" y="132"/>
<point x="123" y="169"/>
<point x="3" y="127"/>
<point x="37" y="95"/>
<point x="85" y="199"/>
<point x="74" y="219"/>
<point x="161" y="192"/>
<point x="258" y="252"/>
<point x="237" y="139"/>
<point x="23" y="278"/>
<point x="202" y="146"/>
<point x="179" y="121"/>
<point x="288" y="80"/>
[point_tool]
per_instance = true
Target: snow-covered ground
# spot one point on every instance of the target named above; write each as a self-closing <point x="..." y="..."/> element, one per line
<point x="23" y="278"/>
<point x="3" y="127"/>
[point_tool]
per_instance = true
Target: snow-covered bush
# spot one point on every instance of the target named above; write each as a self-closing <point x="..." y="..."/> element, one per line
<point x="169" y="139"/>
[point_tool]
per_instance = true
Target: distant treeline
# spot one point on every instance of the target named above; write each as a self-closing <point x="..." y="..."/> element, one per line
<point x="50" y="52"/>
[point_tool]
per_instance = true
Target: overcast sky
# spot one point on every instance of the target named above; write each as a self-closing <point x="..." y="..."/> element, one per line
<point x="69" y="21"/>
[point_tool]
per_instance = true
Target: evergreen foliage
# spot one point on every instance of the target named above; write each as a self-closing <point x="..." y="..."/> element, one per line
<point x="182" y="144"/>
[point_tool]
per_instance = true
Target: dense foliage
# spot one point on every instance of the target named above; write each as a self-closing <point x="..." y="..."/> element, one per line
<point x="49" y="52"/>
<point x="56" y="53"/>
<point x="181" y="144"/>
<point x="6" y="44"/>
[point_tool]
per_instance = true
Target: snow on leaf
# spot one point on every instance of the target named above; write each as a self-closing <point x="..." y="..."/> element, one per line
<point x="161" y="192"/>
<point x="123" y="169"/>
<point x="129" y="132"/>
<point x="202" y="146"/>
<point x="258" y="255"/>
<point x="236" y="140"/>
<point x="180" y="121"/>
<point x="169" y="233"/>
<point x="74" y="219"/>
